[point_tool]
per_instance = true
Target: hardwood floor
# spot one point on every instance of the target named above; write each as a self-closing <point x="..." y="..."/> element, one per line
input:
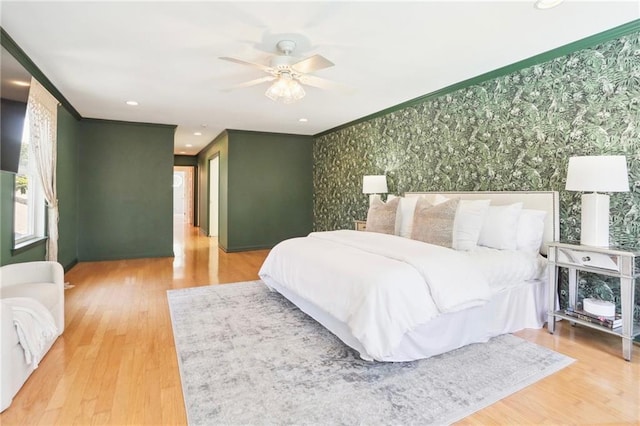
<point x="116" y="363"/>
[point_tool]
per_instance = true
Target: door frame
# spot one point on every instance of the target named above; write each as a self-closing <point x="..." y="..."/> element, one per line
<point x="190" y="192"/>
<point x="213" y="184"/>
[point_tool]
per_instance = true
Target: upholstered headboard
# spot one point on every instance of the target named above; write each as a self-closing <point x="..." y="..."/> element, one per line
<point x="538" y="200"/>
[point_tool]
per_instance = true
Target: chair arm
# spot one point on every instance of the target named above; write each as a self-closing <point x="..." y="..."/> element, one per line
<point x="31" y="272"/>
<point x="8" y="331"/>
<point x="36" y="273"/>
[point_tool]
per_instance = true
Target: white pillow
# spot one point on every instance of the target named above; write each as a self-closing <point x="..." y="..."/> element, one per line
<point x="530" y="230"/>
<point x="468" y="222"/>
<point x="500" y="227"/>
<point x="407" y="208"/>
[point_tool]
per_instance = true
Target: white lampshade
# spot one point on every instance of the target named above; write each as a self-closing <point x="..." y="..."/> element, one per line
<point x="602" y="173"/>
<point x="374" y="184"/>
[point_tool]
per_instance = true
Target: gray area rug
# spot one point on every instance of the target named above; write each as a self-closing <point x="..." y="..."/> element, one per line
<point x="249" y="356"/>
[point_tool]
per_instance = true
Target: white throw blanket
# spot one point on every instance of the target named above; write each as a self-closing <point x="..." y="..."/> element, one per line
<point x="35" y="326"/>
<point x="381" y="286"/>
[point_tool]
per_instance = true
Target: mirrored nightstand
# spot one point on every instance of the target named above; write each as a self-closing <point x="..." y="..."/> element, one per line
<point x="622" y="263"/>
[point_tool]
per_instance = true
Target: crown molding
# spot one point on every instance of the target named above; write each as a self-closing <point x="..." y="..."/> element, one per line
<point x="12" y="47"/>
<point x="128" y="123"/>
<point x="593" y="40"/>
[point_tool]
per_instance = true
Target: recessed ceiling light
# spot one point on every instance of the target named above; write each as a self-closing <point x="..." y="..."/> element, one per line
<point x="182" y="152"/>
<point x="197" y="133"/>
<point x="546" y="4"/>
<point x="21" y="83"/>
<point x="132" y="103"/>
<point x="188" y="145"/>
<point x="303" y="120"/>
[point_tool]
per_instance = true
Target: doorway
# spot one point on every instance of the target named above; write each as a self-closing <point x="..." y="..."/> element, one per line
<point x="183" y="194"/>
<point x="214" y="195"/>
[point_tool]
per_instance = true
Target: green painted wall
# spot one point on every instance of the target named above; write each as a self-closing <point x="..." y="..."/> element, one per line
<point x="514" y="132"/>
<point x="114" y="193"/>
<point x="265" y="188"/>
<point x="125" y="177"/>
<point x="218" y="147"/>
<point x="68" y="181"/>
<point x="68" y="140"/>
<point x="270" y="188"/>
<point x="185" y="160"/>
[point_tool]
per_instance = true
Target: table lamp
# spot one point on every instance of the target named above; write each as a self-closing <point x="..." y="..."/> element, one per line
<point x="374" y="185"/>
<point x="596" y="174"/>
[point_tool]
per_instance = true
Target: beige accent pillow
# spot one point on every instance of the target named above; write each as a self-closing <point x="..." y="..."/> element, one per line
<point x="382" y="216"/>
<point x="434" y="224"/>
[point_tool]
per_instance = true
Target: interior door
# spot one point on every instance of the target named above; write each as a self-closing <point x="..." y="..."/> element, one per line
<point x="214" y="195"/>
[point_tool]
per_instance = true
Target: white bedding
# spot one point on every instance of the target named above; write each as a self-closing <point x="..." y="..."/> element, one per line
<point x="380" y="286"/>
<point x="503" y="268"/>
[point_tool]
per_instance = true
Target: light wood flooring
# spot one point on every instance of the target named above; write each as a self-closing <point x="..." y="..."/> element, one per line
<point x="116" y="363"/>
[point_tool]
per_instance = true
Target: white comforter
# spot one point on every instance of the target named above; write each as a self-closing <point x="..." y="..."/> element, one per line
<point x="380" y="285"/>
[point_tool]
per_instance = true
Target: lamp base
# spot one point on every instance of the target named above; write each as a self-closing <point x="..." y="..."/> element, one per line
<point x="373" y="197"/>
<point x="595" y="220"/>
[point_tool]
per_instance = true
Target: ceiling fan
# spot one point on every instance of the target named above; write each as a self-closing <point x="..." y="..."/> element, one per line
<point x="288" y="73"/>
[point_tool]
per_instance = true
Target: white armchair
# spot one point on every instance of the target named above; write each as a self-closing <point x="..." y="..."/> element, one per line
<point x="43" y="281"/>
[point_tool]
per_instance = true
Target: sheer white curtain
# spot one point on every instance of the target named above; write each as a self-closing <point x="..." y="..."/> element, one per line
<point x="42" y="109"/>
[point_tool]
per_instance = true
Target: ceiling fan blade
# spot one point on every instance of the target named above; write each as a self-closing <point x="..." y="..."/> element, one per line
<point x="251" y="64"/>
<point x="252" y="82"/>
<point x="321" y="83"/>
<point x="311" y="64"/>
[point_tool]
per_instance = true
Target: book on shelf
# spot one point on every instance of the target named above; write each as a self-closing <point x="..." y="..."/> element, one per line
<point x="609" y="322"/>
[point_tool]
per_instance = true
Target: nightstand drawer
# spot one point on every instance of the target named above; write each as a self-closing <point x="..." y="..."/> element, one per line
<point x="594" y="260"/>
<point x="360" y="225"/>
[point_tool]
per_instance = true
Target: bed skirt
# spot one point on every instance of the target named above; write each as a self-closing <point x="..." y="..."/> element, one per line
<point x="513" y="308"/>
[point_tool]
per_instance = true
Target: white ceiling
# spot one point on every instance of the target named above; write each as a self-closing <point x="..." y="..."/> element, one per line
<point x="165" y="54"/>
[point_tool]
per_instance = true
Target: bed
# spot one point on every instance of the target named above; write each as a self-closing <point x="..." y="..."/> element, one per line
<point x="393" y="298"/>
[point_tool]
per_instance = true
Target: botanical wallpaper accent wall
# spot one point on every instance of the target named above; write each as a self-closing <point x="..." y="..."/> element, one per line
<point x="515" y="132"/>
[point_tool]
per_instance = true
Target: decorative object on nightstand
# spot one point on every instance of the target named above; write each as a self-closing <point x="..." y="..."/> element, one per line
<point x="374" y="185"/>
<point x="622" y="263"/>
<point x="605" y="173"/>
<point x="614" y="321"/>
<point x="602" y="308"/>
<point x="360" y="225"/>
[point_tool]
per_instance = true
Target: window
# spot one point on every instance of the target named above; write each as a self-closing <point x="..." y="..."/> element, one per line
<point x="29" y="206"/>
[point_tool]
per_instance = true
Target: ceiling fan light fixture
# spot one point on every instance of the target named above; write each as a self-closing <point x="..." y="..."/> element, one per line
<point x="288" y="73"/>
<point x="285" y="89"/>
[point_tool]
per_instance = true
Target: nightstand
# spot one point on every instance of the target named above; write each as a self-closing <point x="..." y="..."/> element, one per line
<point x="360" y="225"/>
<point x="623" y="263"/>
